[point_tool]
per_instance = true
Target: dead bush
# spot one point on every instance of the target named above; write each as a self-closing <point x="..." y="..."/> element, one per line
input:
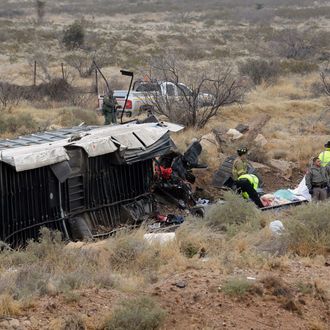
<point x="106" y="280"/>
<point x="10" y="95"/>
<point x="276" y="286"/>
<point x="140" y="313"/>
<point x="75" y="280"/>
<point x="73" y="322"/>
<point x="131" y="251"/>
<point x="73" y="116"/>
<point x="308" y="230"/>
<point x="235" y="214"/>
<point x="194" y="238"/>
<point x="260" y="71"/>
<point x="18" y="124"/>
<point x="31" y="281"/>
<point x="56" y="90"/>
<point x="299" y="67"/>
<point x="48" y="247"/>
<point x="9" y="306"/>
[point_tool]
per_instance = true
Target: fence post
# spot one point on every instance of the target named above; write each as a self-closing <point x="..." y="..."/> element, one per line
<point x="96" y="83"/>
<point x="62" y="66"/>
<point x="35" y="73"/>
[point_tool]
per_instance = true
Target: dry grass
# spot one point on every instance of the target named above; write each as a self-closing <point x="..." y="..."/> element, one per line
<point x="9" y="306"/>
<point x="140" y="313"/>
<point x="308" y="230"/>
<point x="239" y="287"/>
<point x="236" y="214"/>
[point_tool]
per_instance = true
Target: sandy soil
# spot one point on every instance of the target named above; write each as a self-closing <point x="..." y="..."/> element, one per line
<point x="201" y="304"/>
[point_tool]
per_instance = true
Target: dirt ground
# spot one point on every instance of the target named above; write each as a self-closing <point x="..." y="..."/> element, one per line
<point x="199" y="302"/>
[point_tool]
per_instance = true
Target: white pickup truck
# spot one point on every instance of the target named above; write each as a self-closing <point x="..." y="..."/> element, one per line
<point x="140" y="98"/>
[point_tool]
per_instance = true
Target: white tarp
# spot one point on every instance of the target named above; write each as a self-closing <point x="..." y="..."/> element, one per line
<point x="302" y="190"/>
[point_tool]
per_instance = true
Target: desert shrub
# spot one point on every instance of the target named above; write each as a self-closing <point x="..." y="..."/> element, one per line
<point x="20" y="123"/>
<point x="30" y="282"/>
<point x="192" y="237"/>
<point x="10" y="95"/>
<point x="260" y="71"/>
<point x="48" y="246"/>
<point x="74" y="116"/>
<point x="308" y="230"/>
<point x="9" y="306"/>
<point x="73" y="322"/>
<point x="140" y="313"/>
<point x="56" y="90"/>
<point x="300" y="67"/>
<point x="304" y="288"/>
<point x="276" y="286"/>
<point x="74" y="36"/>
<point x="237" y="287"/>
<point x="234" y="213"/>
<point x="131" y="251"/>
<point x="317" y="89"/>
<point x="75" y="280"/>
<point x="106" y="280"/>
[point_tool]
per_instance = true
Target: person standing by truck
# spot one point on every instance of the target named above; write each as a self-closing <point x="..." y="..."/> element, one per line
<point x="109" y="109"/>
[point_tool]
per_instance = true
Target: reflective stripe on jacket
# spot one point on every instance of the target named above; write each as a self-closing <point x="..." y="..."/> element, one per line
<point x="325" y="157"/>
<point x="253" y="179"/>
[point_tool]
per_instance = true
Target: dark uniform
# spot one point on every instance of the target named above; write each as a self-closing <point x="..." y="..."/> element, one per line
<point x="317" y="180"/>
<point x="109" y="109"/>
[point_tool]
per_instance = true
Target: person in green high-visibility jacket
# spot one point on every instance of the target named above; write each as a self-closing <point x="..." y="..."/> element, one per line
<point x="324" y="156"/>
<point x="248" y="185"/>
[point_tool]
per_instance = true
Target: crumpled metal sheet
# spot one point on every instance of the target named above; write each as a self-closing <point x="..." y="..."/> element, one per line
<point x="134" y="140"/>
<point x="27" y="158"/>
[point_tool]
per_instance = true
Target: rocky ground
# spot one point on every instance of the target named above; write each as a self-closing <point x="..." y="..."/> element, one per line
<point x="194" y="299"/>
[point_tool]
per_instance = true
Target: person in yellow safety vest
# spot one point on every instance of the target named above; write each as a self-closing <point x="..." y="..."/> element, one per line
<point x="324" y="156"/>
<point x="248" y="185"/>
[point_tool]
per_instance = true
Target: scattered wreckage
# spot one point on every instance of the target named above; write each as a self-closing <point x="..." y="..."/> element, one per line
<point x="87" y="181"/>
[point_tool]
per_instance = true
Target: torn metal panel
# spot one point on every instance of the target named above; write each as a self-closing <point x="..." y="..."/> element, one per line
<point x="50" y="148"/>
<point x="128" y="141"/>
<point x="96" y="146"/>
<point x="61" y="170"/>
<point x="31" y="157"/>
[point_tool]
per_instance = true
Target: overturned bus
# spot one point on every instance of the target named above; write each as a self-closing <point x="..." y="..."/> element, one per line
<point x="81" y="181"/>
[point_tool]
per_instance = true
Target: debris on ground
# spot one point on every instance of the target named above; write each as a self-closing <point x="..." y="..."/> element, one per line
<point x="276" y="227"/>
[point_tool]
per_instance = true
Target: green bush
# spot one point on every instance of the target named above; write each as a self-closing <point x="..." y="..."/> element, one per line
<point x="237" y="287"/>
<point x="231" y="216"/>
<point x="136" y="314"/>
<point x="74" y="36"/>
<point x="308" y="230"/>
